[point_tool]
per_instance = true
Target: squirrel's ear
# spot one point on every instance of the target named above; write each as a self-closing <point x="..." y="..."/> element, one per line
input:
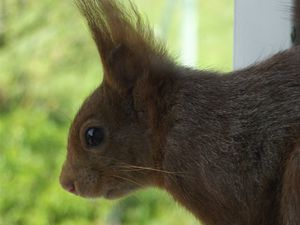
<point x="126" y="45"/>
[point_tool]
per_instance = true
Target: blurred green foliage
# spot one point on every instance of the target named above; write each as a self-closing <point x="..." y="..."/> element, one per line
<point x="48" y="64"/>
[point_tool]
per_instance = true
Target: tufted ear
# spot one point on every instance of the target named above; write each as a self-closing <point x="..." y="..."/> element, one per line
<point x="127" y="46"/>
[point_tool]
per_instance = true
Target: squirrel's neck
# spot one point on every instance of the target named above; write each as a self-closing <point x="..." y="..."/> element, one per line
<point x="203" y="166"/>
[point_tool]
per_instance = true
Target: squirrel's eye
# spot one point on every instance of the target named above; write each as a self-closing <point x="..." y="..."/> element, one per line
<point x="94" y="136"/>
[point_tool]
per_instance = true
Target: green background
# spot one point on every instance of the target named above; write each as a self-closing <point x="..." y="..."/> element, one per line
<point x="48" y="65"/>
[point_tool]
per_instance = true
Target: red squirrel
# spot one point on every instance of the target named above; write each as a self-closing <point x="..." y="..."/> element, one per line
<point x="223" y="145"/>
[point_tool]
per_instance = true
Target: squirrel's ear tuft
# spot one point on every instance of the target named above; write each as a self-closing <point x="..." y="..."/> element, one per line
<point x="126" y="44"/>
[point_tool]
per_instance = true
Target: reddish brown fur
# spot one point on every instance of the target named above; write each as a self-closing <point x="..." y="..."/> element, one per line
<point x="225" y="147"/>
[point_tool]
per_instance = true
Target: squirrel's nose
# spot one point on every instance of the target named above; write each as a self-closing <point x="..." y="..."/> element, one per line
<point x="69" y="186"/>
<point x="65" y="180"/>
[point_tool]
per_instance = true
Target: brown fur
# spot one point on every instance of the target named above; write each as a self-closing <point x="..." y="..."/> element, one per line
<point x="225" y="147"/>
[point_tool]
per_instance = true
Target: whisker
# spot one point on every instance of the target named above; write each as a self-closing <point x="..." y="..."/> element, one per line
<point x="131" y="167"/>
<point x="138" y="167"/>
<point x="148" y="168"/>
<point x="152" y="169"/>
<point x="127" y="179"/>
<point x="182" y="174"/>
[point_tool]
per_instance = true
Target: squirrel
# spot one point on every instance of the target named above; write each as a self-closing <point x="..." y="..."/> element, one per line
<point x="225" y="146"/>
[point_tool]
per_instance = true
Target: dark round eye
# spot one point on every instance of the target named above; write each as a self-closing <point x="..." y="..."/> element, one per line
<point x="94" y="136"/>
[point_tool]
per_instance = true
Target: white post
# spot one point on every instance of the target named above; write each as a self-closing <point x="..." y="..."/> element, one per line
<point x="189" y="35"/>
<point x="262" y="28"/>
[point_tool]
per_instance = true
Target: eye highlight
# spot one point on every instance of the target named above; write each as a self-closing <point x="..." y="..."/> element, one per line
<point x="94" y="136"/>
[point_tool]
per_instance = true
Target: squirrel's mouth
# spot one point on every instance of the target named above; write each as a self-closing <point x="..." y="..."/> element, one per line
<point x="107" y="190"/>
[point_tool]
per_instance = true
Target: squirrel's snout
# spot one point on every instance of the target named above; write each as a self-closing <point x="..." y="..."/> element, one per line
<point x="69" y="186"/>
<point x="66" y="182"/>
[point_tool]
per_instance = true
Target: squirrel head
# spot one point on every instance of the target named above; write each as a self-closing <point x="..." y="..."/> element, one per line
<point x="111" y="147"/>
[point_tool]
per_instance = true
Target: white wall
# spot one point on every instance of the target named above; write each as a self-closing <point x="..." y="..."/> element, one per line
<point x="262" y="27"/>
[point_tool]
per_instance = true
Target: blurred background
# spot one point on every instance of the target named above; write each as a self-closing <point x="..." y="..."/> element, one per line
<point x="48" y="65"/>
